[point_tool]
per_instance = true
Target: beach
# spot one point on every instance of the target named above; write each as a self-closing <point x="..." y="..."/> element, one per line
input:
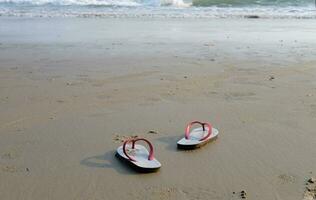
<point x="67" y="100"/>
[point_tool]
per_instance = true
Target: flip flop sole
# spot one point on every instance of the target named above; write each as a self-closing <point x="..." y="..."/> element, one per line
<point x="193" y="142"/>
<point x="195" y="146"/>
<point x="142" y="164"/>
<point x="135" y="167"/>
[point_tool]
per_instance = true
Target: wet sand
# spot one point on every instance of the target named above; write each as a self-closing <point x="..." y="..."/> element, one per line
<point x="71" y="88"/>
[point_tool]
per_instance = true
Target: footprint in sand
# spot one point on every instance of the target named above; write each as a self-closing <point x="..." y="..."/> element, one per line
<point x="286" y="178"/>
<point x="78" y="83"/>
<point x="160" y="192"/>
<point x="149" y="101"/>
<point x="313" y="110"/>
<point x="104" y="96"/>
<point x="122" y="138"/>
<point x="164" y="192"/>
<point x="8" y="168"/>
<point x="10" y="155"/>
<point x="13" y="168"/>
<point x="239" y="95"/>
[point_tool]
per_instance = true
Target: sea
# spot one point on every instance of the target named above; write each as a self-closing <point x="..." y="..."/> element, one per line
<point x="280" y="9"/>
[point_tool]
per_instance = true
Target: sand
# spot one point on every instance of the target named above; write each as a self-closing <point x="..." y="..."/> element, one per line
<point x="71" y="89"/>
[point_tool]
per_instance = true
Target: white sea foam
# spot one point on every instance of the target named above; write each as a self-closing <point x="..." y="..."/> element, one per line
<point x="72" y="2"/>
<point x="148" y="8"/>
<point x="176" y="3"/>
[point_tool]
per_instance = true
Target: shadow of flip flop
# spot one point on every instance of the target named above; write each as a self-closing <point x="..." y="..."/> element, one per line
<point x="107" y="160"/>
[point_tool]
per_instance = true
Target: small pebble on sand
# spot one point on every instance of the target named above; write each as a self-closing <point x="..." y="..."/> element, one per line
<point x="271" y="77"/>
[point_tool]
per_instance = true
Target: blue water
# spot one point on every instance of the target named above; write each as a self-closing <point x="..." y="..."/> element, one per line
<point x="302" y="9"/>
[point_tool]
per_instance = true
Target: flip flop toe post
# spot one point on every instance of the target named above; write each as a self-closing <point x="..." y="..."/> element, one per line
<point x="197" y="137"/>
<point x="137" y="156"/>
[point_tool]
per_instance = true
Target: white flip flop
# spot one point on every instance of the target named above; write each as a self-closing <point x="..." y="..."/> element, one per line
<point x="198" y="136"/>
<point x="137" y="156"/>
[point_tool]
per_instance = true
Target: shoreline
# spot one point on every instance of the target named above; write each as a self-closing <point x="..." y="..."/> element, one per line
<point x="152" y="12"/>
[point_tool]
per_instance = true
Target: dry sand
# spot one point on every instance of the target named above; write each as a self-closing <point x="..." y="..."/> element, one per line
<point x="70" y="89"/>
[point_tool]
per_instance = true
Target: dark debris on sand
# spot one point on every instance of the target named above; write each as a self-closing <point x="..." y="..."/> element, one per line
<point x="152" y="132"/>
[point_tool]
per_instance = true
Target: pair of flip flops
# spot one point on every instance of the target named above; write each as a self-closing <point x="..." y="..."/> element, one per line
<point x="139" y="158"/>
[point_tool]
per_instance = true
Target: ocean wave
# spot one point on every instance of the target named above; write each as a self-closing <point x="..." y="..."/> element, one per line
<point x="162" y="12"/>
<point x="119" y="3"/>
<point x="70" y="2"/>
<point x="242" y="3"/>
<point x="153" y="9"/>
<point x="174" y="3"/>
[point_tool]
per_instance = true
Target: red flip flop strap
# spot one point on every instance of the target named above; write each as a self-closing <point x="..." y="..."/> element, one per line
<point x="187" y="130"/>
<point x="124" y="149"/>
<point x="151" y="148"/>
<point x="209" y="132"/>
